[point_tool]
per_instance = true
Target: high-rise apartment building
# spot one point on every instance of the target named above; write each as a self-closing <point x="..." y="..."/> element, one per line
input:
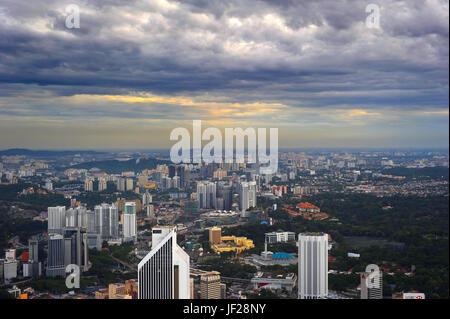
<point x="89" y="185"/>
<point x="76" y="217"/>
<point x="146" y="198"/>
<point x="102" y="184"/>
<point x="121" y="184"/>
<point x="129" y="184"/>
<point x="206" y="195"/>
<point x="372" y="283"/>
<point x="56" y="219"/>
<point x="164" y="272"/>
<point x="313" y="265"/>
<point x="129" y="222"/>
<point x="106" y="221"/>
<point x="247" y="195"/>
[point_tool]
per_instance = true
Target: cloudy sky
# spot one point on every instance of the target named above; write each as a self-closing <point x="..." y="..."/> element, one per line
<point x="136" y="69"/>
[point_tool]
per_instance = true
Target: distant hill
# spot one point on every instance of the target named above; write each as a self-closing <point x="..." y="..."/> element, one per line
<point x="42" y="153"/>
<point x="433" y="172"/>
<point x="115" y="166"/>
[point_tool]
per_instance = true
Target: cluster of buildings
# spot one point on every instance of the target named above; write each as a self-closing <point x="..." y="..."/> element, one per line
<point x="29" y="261"/>
<point x="71" y="232"/>
<point x="127" y="290"/>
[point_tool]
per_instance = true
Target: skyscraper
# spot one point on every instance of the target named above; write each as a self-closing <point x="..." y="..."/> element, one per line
<point x="206" y="195"/>
<point x="56" y="219"/>
<point x="129" y="222"/>
<point x="247" y="194"/>
<point x="76" y="217"/>
<point x="164" y="272"/>
<point x="55" y="261"/>
<point x="371" y="283"/>
<point x="225" y="196"/>
<point x="313" y="265"/>
<point x="106" y="222"/>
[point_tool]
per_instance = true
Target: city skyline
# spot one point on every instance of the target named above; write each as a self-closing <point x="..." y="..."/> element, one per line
<point x="134" y="71"/>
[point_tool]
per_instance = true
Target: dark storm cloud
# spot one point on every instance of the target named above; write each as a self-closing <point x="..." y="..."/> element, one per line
<point x="302" y="54"/>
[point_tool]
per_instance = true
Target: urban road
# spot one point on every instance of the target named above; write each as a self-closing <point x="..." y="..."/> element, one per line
<point x="134" y="268"/>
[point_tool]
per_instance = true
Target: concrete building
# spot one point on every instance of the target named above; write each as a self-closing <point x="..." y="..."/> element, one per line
<point x="215" y="234"/>
<point x="9" y="270"/>
<point x="106" y="222"/>
<point x="247" y="195"/>
<point x="129" y="222"/>
<point x="146" y="198"/>
<point x="102" y="184"/>
<point x="116" y="289"/>
<point x="313" y="265"/>
<point x="32" y="269"/>
<point x="89" y="185"/>
<point x="55" y="261"/>
<point x="56" y="219"/>
<point x="72" y="248"/>
<point x="164" y="272"/>
<point x="210" y="285"/>
<point x="206" y="195"/>
<point x="280" y="237"/>
<point x="266" y="281"/>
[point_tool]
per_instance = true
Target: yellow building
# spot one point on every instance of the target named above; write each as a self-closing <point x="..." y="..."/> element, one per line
<point x="233" y="243"/>
<point x="215" y="235"/>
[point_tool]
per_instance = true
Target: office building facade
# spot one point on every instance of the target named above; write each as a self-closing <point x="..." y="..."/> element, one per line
<point x="313" y="265"/>
<point x="164" y="272"/>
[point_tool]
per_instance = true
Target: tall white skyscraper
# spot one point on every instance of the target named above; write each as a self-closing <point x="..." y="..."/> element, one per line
<point x="247" y="194"/>
<point x="129" y="222"/>
<point x="312" y="265"/>
<point x="164" y="272"/>
<point x="372" y="283"/>
<point x="206" y="195"/>
<point x="56" y="219"/>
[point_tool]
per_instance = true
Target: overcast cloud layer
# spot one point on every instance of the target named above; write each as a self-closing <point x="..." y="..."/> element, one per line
<point x="135" y="70"/>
